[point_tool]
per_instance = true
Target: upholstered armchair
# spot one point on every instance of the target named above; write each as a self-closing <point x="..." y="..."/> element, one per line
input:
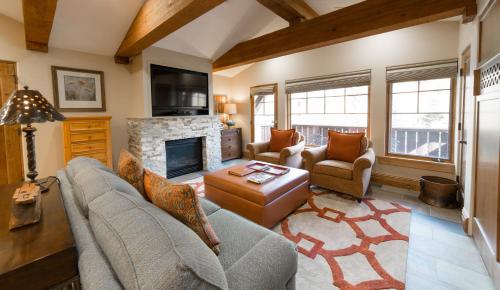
<point x="345" y="177"/>
<point x="289" y="156"/>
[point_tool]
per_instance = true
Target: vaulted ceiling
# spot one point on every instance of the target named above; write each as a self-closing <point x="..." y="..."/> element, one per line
<point x="97" y="26"/>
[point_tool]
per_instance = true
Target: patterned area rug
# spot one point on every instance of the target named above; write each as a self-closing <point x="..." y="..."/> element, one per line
<point x="346" y="245"/>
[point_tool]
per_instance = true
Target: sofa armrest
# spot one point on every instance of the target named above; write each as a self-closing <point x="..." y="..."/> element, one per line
<point x="271" y="264"/>
<point x="313" y="156"/>
<point x="256" y="148"/>
<point x="365" y="161"/>
<point x="292" y="150"/>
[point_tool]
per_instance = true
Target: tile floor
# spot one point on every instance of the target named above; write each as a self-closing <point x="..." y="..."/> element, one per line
<point x="440" y="255"/>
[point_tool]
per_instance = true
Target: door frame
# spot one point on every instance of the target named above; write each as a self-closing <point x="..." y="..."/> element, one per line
<point x="16" y="84"/>
<point x="466" y="55"/>
<point x="252" y="109"/>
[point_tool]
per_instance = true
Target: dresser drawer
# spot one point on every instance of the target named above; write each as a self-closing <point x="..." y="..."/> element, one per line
<point x="87" y="125"/>
<point x="95" y="146"/>
<point x="87" y="137"/>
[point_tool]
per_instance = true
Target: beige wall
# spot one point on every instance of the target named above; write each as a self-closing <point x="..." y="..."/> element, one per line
<point x="127" y="88"/>
<point x="428" y="42"/>
<point x="34" y="70"/>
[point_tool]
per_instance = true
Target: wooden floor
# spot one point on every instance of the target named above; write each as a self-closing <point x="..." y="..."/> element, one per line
<point x="440" y="255"/>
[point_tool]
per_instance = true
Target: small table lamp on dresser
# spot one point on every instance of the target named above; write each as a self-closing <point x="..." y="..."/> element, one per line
<point x="230" y="109"/>
<point x="27" y="107"/>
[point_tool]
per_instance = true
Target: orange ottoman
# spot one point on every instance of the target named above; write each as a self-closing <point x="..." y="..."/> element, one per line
<point x="266" y="204"/>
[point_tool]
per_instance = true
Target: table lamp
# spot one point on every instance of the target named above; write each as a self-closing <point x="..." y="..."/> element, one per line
<point x="27" y="107"/>
<point x="230" y="109"/>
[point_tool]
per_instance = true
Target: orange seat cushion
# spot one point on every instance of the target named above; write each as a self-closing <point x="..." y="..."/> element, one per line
<point x="344" y="146"/>
<point x="281" y="139"/>
<point x="180" y="201"/>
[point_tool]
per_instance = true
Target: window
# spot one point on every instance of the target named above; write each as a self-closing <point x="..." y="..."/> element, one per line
<point x="343" y="109"/>
<point x="263" y="111"/>
<point x="420" y="118"/>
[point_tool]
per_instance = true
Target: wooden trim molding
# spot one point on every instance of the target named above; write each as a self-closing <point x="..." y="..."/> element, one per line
<point x="38" y="20"/>
<point x="293" y="11"/>
<point x="417" y="164"/>
<point x="396" y="181"/>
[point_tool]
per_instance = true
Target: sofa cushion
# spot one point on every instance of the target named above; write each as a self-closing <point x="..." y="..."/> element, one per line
<point x="281" y="139"/>
<point x="271" y="157"/>
<point x="335" y="168"/>
<point x="344" y="146"/>
<point x="181" y="202"/>
<point x="91" y="182"/>
<point x="131" y="170"/>
<point x="78" y="164"/>
<point x="149" y="249"/>
<point x="208" y="206"/>
<point x="246" y="245"/>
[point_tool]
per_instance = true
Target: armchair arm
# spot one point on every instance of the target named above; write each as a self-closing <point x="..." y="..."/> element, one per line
<point x="290" y="156"/>
<point x="313" y="156"/>
<point x="256" y="148"/>
<point x="365" y="161"/>
<point x="292" y="150"/>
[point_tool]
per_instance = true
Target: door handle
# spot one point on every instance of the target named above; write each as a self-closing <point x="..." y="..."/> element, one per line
<point x="462" y="142"/>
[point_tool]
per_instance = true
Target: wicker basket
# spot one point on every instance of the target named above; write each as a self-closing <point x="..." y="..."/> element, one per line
<point x="438" y="191"/>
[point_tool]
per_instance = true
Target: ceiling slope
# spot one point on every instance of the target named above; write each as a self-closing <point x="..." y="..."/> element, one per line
<point x="353" y="22"/>
<point x="158" y="18"/>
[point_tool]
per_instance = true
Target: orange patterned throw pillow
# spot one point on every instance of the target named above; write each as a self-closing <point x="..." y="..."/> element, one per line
<point x="344" y="146"/>
<point x="130" y="169"/>
<point x="180" y="201"/>
<point x="281" y="139"/>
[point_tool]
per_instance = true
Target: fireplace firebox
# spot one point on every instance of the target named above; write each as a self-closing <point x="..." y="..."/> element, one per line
<point x="184" y="156"/>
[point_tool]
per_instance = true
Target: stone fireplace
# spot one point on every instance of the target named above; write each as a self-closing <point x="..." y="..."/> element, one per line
<point x="148" y="139"/>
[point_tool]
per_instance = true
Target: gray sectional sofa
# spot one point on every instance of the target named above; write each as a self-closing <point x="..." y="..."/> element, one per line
<point x="125" y="242"/>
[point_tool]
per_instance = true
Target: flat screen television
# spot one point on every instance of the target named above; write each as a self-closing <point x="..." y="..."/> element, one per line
<point x="178" y="92"/>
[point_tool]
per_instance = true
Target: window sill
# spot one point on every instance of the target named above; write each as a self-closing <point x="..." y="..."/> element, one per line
<point x="445" y="167"/>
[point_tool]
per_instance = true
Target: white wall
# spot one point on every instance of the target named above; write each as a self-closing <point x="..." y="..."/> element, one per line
<point x="429" y="42"/>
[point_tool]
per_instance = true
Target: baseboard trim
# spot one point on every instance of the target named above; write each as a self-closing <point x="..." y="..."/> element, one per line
<point x="396" y="181"/>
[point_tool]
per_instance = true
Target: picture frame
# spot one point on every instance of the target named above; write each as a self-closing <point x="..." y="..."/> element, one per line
<point x="78" y="90"/>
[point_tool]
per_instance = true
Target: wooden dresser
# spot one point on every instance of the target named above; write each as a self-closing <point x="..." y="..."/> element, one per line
<point x="231" y="144"/>
<point x="88" y="136"/>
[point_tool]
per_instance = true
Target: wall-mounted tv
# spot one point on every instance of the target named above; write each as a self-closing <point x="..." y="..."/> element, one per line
<point x="178" y="92"/>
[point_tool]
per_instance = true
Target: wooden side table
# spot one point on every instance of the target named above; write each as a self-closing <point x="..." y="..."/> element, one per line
<point x="231" y="144"/>
<point x="41" y="255"/>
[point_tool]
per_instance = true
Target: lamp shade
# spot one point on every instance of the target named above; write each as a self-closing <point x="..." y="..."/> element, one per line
<point x="230" y="109"/>
<point x="27" y="107"/>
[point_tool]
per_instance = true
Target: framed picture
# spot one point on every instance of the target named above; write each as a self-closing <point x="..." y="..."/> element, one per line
<point x="78" y="90"/>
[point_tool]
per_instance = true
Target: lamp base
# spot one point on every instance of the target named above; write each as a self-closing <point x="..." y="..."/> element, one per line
<point x="230" y="123"/>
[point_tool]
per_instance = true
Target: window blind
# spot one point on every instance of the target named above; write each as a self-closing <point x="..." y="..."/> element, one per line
<point x="351" y="79"/>
<point x="262" y="90"/>
<point x="423" y="71"/>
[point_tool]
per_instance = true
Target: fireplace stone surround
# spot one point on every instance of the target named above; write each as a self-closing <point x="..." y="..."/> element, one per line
<point x="147" y="137"/>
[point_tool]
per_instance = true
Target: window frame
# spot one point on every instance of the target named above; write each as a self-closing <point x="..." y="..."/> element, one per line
<point x="451" y="126"/>
<point x="368" y="125"/>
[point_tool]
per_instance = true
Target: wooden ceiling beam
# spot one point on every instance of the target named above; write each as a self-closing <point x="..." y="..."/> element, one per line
<point x="293" y="11"/>
<point x="157" y="19"/>
<point x="38" y="20"/>
<point x="360" y="20"/>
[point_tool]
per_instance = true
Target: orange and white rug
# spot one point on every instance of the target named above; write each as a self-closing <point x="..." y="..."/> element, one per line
<point x="346" y="245"/>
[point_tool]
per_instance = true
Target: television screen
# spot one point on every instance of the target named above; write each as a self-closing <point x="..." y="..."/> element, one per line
<point x="178" y="92"/>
